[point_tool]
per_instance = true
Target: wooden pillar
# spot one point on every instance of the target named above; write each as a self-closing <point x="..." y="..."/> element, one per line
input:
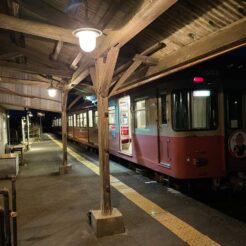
<point x="103" y="143"/>
<point x="101" y="76"/>
<point x="63" y="168"/>
<point x="107" y="220"/>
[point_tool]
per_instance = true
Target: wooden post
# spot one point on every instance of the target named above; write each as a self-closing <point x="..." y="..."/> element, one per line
<point x="103" y="143"/>
<point x="64" y="168"/>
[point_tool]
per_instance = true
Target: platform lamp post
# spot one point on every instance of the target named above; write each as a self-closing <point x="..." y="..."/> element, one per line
<point x="8" y="128"/>
<point x="23" y="129"/>
<point x="28" y="115"/>
<point x="40" y="115"/>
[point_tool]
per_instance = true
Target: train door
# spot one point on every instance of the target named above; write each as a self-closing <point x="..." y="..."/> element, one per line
<point x="125" y="125"/>
<point x="164" y="131"/>
<point x="235" y="130"/>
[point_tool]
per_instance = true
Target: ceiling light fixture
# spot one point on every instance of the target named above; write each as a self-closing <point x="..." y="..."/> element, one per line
<point x="87" y="38"/>
<point x="52" y="91"/>
<point x="87" y="34"/>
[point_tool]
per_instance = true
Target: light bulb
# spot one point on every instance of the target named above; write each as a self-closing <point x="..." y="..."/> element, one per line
<point x="52" y="91"/>
<point x="87" y="38"/>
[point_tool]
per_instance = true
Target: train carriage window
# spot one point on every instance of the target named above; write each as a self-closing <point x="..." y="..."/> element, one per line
<point x="200" y="108"/>
<point x="84" y="120"/>
<point x="234" y="110"/>
<point x="194" y="110"/>
<point x="96" y="118"/>
<point x="78" y="120"/>
<point x="140" y="114"/>
<point x="59" y="122"/>
<point x="74" y="120"/>
<point x="163" y="99"/>
<point x="90" y="118"/>
<point x="111" y="115"/>
<point x="70" y="120"/>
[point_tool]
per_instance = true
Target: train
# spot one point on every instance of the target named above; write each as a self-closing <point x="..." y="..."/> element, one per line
<point x="185" y="127"/>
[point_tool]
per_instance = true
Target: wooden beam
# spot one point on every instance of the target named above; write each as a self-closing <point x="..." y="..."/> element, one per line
<point x="64" y="129"/>
<point x="76" y="80"/>
<point x="109" y="13"/>
<point x="57" y="50"/>
<point x="125" y="76"/>
<point x="147" y="13"/>
<point x="9" y="55"/>
<point x="38" y="83"/>
<point x="150" y="51"/>
<point x="48" y="14"/>
<point x="74" y="102"/>
<point x="23" y="105"/>
<point x="133" y="67"/>
<point x="146" y="59"/>
<point x="37" y="29"/>
<point x="35" y="56"/>
<point x="34" y="69"/>
<point x="76" y="61"/>
<point x="220" y="42"/>
<point x="11" y="92"/>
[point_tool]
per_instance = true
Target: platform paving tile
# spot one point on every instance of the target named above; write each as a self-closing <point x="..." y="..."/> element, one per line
<point x="52" y="209"/>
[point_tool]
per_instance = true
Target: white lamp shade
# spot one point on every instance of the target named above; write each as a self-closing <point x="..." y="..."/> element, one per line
<point x="52" y="91"/>
<point x="87" y="38"/>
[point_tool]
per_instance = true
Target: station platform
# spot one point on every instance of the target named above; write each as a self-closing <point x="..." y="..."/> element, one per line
<point x="52" y="209"/>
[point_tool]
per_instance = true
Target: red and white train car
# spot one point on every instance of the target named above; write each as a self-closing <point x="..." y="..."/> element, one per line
<point x="181" y="128"/>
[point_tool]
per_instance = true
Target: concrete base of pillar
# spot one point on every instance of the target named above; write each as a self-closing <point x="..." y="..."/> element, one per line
<point x="104" y="225"/>
<point x="65" y="169"/>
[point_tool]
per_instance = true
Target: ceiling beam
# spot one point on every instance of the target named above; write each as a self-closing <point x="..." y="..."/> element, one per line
<point x="35" y="56"/>
<point x="146" y="59"/>
<point x="133" y="66"/>
<point x="11" y="92"/>
<point x="55" y="54"/>
<point x="76" y="61"/>
<point x="147" y="13"/>
<point x="74" y="102"/>
<point x="38" y="83"/>
<point x="220" y="42"/>
<point x="48" y="14"/>
<point x="37" y="29"/>
<point x="77" y="79"/>
<point x="35" y="69"/>
<point x="9" y="55"/>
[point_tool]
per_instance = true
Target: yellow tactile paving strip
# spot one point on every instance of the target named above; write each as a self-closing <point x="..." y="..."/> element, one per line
<point x="180" y="228"/>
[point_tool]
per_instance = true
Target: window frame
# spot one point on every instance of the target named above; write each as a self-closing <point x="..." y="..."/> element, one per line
<point x="146" y="114"/>
<point x="189" y="107"/>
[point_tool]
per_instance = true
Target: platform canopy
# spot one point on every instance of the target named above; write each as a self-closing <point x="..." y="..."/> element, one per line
<point x="155" y="38"/>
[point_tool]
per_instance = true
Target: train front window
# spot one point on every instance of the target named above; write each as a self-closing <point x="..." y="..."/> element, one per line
<point x="194" y="110"/>
<point x="180" y="101"/>
<point x="234" y="107"/>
